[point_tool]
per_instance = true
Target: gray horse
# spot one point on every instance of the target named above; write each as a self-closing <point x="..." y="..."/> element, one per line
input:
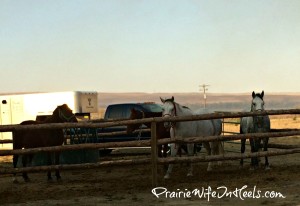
<point x="256" y="124"/>
<point x="200" y="128"/>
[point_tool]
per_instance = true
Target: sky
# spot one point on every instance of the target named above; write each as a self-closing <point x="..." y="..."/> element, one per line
<point x="149" y="45"/>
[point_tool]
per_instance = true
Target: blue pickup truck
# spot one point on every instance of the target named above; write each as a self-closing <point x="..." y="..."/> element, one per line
<point x="122" y="111"/>
<point x="115" y="112"/>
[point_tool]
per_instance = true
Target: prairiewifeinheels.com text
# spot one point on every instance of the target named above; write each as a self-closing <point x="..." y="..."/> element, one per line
<point x="220" y="192"/>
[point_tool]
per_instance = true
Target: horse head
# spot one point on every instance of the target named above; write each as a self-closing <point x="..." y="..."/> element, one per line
<point x="134" y="114"/>
<point x="168" y="110"/>
<point x="64" y="114"/>
<point x="257" y="103"/>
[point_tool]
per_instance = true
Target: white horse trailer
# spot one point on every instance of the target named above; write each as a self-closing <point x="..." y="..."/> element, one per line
<point x="20" y="107"/>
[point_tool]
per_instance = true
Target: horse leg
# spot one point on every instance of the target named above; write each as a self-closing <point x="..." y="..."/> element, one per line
<point x="257" y="149"/>
<point x="243" y="147"/>
<point x="265" y="142"/>
<point x="164" y="153"/>
<point x="49" y="162"/>
<point x="215" y="149"/>
<point x="208" y="151"/>
<point x="180" y="148"/>
<point x="219" y="150"/>
<point x="165" y="150"/>
<point x="190" y="148"/>
<point x="252" y="150"/>
<point x="57" y="174"/>
<point x="159" y="151"/>
<point x="254" y="160"/>
<point x="197" y="148"/>
<point x="24" y="161"/>
<point x="16" y="156"/>
<point x="174" y="150"/>
<point x="15" y="162"/>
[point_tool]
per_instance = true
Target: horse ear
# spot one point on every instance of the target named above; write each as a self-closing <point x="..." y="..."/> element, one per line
<point x="262" y="94"/>
<point x="172" y="99"/>
<point x="162" y="100"/>
<point x="253" y="94"/>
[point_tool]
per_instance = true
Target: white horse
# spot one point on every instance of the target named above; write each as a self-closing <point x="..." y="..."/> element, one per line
<point x="256" y="124"/>
<point x="185" y="129"/>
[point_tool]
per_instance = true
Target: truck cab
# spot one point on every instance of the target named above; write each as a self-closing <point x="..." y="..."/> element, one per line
<point x="122" y="111"/>
<point x="116" y="112"/>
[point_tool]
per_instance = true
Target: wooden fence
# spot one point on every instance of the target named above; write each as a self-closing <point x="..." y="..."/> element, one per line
<point x="154" y="142"/>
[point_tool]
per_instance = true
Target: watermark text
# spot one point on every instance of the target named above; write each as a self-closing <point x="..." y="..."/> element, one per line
<point x="218" y="193"/>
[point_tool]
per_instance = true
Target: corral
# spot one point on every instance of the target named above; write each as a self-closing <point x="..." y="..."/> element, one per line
<point x="119" y="184"/>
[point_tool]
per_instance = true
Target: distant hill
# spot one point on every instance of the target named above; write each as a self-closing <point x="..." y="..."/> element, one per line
<point x="215" y="101"/>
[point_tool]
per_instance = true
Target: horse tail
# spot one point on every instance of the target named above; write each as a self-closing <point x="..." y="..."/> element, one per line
<point x="241" y="126"/>
<point x="16" y="140"/>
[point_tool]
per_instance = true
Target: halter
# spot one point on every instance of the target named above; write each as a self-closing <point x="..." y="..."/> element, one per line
<point x="62" y="116"/>
<point x="172" y="115"/>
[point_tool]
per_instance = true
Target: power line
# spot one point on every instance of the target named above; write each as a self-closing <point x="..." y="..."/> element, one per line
<point x="204" y="88"/>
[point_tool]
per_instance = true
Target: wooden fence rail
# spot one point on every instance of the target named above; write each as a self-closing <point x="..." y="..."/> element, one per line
<point x="140" y="143"/>
<point x="104" y="134"/>
<point x="75" y="166"/>
<point x="226" y="157"/>
<point x="146" y="143"/>
<point x="8" y="128"/>
<point x="228" y="137"/>
<point x="167" y="160"/>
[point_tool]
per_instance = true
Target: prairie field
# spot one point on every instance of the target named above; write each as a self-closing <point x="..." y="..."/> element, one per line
<point x="277" y="122"/>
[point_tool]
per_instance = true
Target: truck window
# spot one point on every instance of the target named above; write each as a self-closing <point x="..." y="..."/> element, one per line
<point x="115" y="112"/>
<point x="119" y="111"/>
<point x="152" y="107"/>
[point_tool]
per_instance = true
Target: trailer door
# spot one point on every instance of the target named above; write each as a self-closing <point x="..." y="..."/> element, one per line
<point x="5" y="118"/>
<point x="5" y="111"/>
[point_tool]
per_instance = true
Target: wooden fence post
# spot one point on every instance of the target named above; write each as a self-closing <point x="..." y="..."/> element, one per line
<point x="154" y="154"/>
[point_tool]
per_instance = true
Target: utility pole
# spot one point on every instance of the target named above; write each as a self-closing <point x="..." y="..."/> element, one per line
<point x="204" y="89"/>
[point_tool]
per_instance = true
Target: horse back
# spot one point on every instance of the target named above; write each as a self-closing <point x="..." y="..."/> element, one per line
<point x="19" y="137"/>
<point x="33" y="138"/>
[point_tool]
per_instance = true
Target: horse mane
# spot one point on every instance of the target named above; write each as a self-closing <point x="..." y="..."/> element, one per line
<point x="177" y="106"/>
<point x="170" y="100"/>
<point x="182" y="108"/>
<point x="259" y="95"/>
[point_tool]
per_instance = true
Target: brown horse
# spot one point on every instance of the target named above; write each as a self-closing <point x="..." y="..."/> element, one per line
<point x="34" y="138"/>
<point x="161" y="131"/>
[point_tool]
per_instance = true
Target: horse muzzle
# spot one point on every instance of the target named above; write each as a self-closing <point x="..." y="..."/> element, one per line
<point x="167" y="125"/>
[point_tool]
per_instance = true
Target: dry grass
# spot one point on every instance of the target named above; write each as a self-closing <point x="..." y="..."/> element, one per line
<point x="277" y="122"/>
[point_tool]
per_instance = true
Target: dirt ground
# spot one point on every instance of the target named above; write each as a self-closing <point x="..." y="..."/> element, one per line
<point x="119" y="185"/>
